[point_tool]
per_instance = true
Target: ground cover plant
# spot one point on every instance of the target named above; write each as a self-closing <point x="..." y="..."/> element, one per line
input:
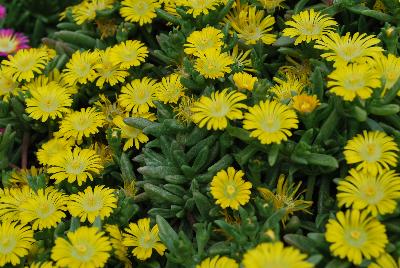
<point x="200" y="133"/>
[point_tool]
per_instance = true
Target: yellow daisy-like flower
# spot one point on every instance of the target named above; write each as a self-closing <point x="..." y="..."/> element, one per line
<point x="285" y="90"/>
<point x="244" y="81"/>
<point x="144" y="240"/>
<point x="138" y="96"/>
<point x="129" y="53"/>
<point x="356" y="235"/>
<point x="229" y="189"/>
<point x="309" y="25"/>
<point x="217" y="109"/>
<point x="270" y="121"/>
<point x="346" y="49"/>
<point x="350" y="81"/>
<point x="198" y="7"/>
<point x="80" y="68"/>
<point x="213" y="64"/>
<point x="275" y="255"/>
<point x="287" y="195"/>
<point x="218" y="262"/>
<point x="8" y="87"/>
<point x="81" y="124"/>
<point x="44" y="209"/>
<point x="374" y="193"/>
<point x="170" y="89"/>
<point x="108" y="71"/>
<point x="16" y="241"/>
<point x="252" y="25"/>
<point x="304" y="103"/>
<point x="134" y="135"/>
<point x="52" y="149"/>
<point x="242" y="60"/>
<point x="25" y="64"/>
<point x="86" y="11"/>
<point x="142" y="11"/>
<point x="77" y="165"/>
<point x="91" y="203"/>
<point x="19" y="177"/>
<point x="86" y="247"/>
<point x="109" y="109"/>
<point x="116" y="239"/>
<point x="199" y="42"/>
<point x="11" y="200"/>
<point x="385" y="261"/>
<point x="373" y="151"/>
<point x="388" y="68"/>
<point x="47" y="102"/>
<point x="271" y="4"/>
<point x="183" y="112"/>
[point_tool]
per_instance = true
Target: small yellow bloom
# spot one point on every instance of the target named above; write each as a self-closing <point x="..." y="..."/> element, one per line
<point x="108" y="71"/>
<point x="52" y="149"/>
<point x="270" y="121"/>
<point x="120" y="250"/>
<point x="213" y="64"/>
<point x="86" y="11"/>
<point x="97" y="202"/>
<point x="134" y="135"/>
<point x="141" y="11"/>
<point x="373" y="151"/>
<point x="8" y="87"/>
<point x="183" y="112"/>
<point x="218" y="262"/>
<point x="80" y="68"/>
<point x="200" y="41"/>
<point x="229" y="189"/>
<point x="144" y="240"/>
<point x="129" y="53"/>
<point x="19" y="177"/>
<point x="198" y="7"/>
<point x="244" y="81"/>
<point x="85" y="247"/>
<point x="270" y="5"/>
<point x="305" y="103"/>
<point x="11" y="200"/>
<point x="286" y="89"/>
<point x="215" y="111"/>
<point x="388" y="68"/>
<point x="356" y="235"/>
<point x="170" y="89"/>
<point x="275" y="255"/>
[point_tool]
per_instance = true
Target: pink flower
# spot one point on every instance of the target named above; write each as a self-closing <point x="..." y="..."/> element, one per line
<point x="11" y="42"/>
<point x="3" y="12"/>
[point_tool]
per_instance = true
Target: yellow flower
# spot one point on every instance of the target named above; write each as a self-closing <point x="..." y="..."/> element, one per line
<point x="215" y="111"/>
<point x="131" y="133"/>
<point x="52" y="149"/>
<point x="81" y="124"/>
<point x="86" y="11"/>
<point x="252" y="25"/>
<point x="271" y="4"/>
<point x="199" y="42"/>
<point x="44" y="209"/>
<point x="99" y="201"/>
<point x="356" y="235"/>
<point x="304" y="103"/>
<point x="110" y="110"/>
<point x="16" y="241"/>
<point x="86" y="247"/>
<point x="144" y="240"/>
<point x="274" y="255"/>
<point x="11" y="200"/>
<point x="170" y="89"/>
<point x="108" y="71"/>
<point x="350" y="81"/>
<point x="80" y="68"/>
<point x="285" y="90"/>
<point x="388" y="68"/>
<point x="25" y="64"/>
<point x="309" y="25"/>
<point x="241" y="59"/>
<point x="270" y="121"/>
<point x="183" y="112"/>
<point x="373" y="151"/>
<point x="229" y="189"/>
<point x="47" y="102"/>
<point x="138" y="96"/>
<point x="198" y="7"/>
<point x="244" y="81"/>
<point x="385" y="261"/>
<point x="120" y="250"/>
<point x="213" y="64"/>
<point x="142" y="11"/>
<point x="345" y="49"/>
<point x="8" y="87"/>
<point x="286" y="196"/>
<point x="19" y="177"/>
<point x="129" y="53"/>
<point x="77" y="165"/>
<point x="374" y="193"/>
<point x="218" y="262"/>
<point x="104" y="152"/>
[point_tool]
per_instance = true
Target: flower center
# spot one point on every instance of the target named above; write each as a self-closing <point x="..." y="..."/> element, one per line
<point x="230" y="190"/>
<point x="7" y="244"/>
<point x="147" y="240"/>
<point x="270" y="124"/>
<point x="7" y="45"/>
<point x="311" y="28"/>
<point x="130" y="132"/>
<point x="354" y="83"/>
<point x="349" y="52"/>
<point x="370" y="153"/>
<point x="82" y="123"/>
<point x="356" y="238"/>
<point x="143" y="96"/>
<point x="76" y="167"/>
<point x="219" y="109"/>
<point x="48" y="104"/>
<point x="82" y="252"/>
<point x="92" y="203"/>
<point x="25" y="64"/>
<point x="83" y="69"/>
<point x="45" y="210"/>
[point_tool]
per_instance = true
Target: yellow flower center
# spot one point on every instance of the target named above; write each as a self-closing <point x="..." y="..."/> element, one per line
<point x="355" y="234"/>
<point x="48" y="103"/>
<point x="81" y="248"/>
<point x="81" y="123"/>
<point x="82" y="252"/>
<point x="7" y="244"/>
<point x="83" y="69"/>
<point x="354" y="82"/>
<point x="130" y="132"/>
<point x="25" y="64"/>
<point x="349" y="52"/>
<point x="356" y="238"/>
<point x="231" y="190"/>
<point x="143" y="96"/>
<point x="270" y="124"/>
<point x="92" y="203"/>
<point x="370" y="153"/>
<point x="219" y="109"/>
<point x="142" y="7"/>
<point x="76" y="167"/>
<point x="7" y="45"/>
<point x="309" y="28"/>
<point x="45" y="209"/>
<point x="147" y="240"/>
